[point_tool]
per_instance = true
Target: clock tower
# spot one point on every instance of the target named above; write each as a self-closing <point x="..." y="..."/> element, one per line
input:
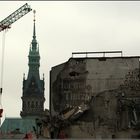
<point x="33" y="87"/>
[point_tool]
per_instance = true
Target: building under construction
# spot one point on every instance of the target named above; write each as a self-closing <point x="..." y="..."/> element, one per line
<point x="96" y="97"/>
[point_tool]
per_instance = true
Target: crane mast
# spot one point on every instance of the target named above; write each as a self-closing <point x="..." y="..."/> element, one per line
<point x="5" y="24"/>
<point x="23" y="10"/>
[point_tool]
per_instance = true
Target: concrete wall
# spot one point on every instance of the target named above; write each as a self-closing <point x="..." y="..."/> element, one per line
<point x="108" y="74"/>
<point x="53" y="76"/>
<point x="94" y="75"/>
<point x="106" y="83"/>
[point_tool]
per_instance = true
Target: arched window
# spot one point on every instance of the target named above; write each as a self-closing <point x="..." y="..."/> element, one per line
<point x="41" y="104"/>
<point x="36" y="104"/>
<point x="32" y="105"/>
<point x="28" y="104"/>
<point x="23" y="103"/>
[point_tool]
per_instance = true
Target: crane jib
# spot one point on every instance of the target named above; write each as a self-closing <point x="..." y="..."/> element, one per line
<point x="23" y="10"/>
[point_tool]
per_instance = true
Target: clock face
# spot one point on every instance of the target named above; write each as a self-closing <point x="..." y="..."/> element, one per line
<point x="33" y="83"/>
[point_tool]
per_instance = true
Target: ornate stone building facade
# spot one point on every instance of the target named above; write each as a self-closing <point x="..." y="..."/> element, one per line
<point x="33" y="87"/>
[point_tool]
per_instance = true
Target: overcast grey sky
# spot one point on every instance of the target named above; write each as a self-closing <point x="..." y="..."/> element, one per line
<point x="63" y="28"/>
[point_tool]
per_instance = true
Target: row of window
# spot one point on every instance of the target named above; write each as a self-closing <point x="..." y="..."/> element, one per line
<point x="32" y="104"/>
<point x="70" y="96"/>
<point x="73" y="85"/>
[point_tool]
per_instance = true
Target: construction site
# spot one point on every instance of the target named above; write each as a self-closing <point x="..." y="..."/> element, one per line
<point x="90" y="96"/>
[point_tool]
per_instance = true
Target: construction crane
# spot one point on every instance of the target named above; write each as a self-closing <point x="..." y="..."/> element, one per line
<point x="23" y="10"/>
<point x="5" y="24"/>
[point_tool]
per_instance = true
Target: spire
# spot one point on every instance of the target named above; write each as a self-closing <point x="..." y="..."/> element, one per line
<point x="34" y="41"/>
<point x="34" y="35"/>
<point x="23" y="76"/>
<point x="34" y="56"/>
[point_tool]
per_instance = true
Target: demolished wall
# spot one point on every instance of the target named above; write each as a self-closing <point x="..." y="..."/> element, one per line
<point x="109" y="85"/>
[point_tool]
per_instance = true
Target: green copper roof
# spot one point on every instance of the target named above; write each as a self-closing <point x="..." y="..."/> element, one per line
<point x="34" y="57"/>
<point x="34" y="41"/>
<point x="34" y="63"/>
<point x="23" y="125"/>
